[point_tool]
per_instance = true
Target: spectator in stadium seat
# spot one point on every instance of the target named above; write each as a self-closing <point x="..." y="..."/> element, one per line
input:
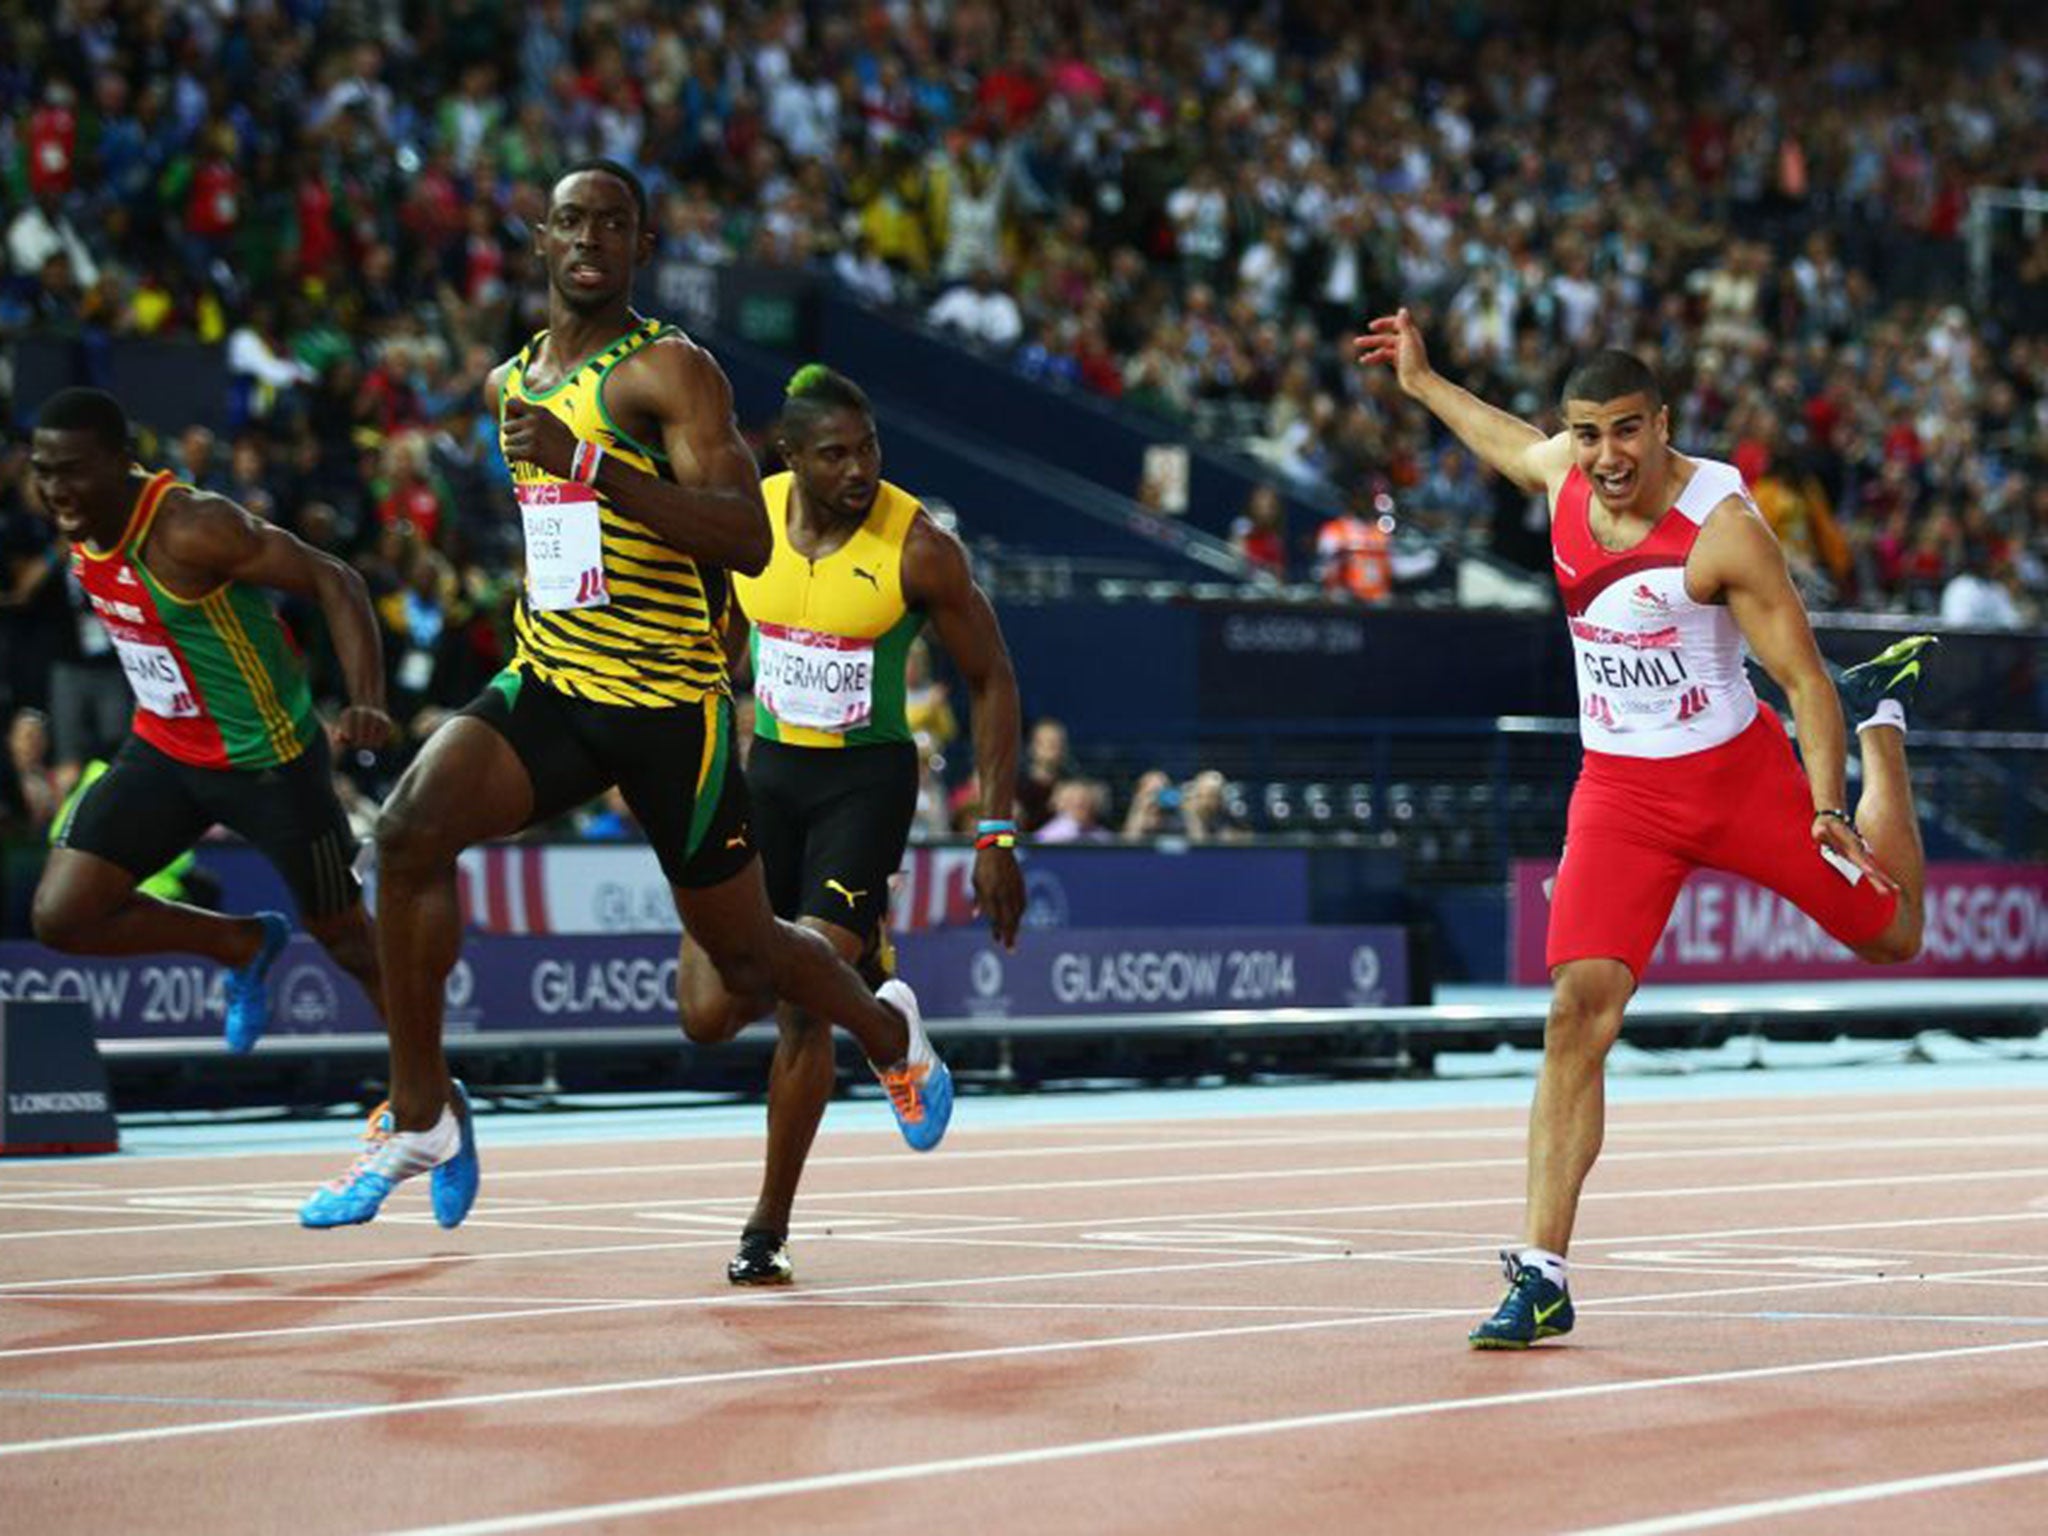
<point x="980" y="311"/>
<point x="1077" y="813"/>
<point x="1046" y="763"/>
<point x="1259" y="534"/>
<point x="1984" y="599"/>
<point x="42" y="230"/>
<point x="1205" y="811"/>
<point x="1154" y="810"/>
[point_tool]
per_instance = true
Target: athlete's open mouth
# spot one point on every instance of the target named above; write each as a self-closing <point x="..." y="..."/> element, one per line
<point x="1615" y="486"/>
<point x="586" y="272"/>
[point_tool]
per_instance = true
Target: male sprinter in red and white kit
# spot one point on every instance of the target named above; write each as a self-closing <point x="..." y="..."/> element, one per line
<point x="1666" y="570"/>
<point x="224" y="727"/>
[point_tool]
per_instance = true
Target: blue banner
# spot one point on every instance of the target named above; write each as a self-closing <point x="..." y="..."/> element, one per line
<point x="1090" y="972"/>
<point x="556" y="983"/>
<point x="618" y="888"/>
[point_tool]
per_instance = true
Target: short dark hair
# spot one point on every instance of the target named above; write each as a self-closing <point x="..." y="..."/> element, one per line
<point x="814" y="391"/>
<point x="1608" y="376"/>
<point x="610" y="168"/>
<point x="86" y="410"/>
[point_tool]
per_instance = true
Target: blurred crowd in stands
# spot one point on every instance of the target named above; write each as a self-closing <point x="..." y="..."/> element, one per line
<point x="1184" y="208"/>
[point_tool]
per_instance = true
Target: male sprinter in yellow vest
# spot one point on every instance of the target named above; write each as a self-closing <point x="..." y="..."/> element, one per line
<point x="635" y="491"/>
<point x="224" y="728"/>
<point x="858" y="570"/>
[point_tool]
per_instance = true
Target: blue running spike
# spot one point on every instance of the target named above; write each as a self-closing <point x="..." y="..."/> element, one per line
<point x="248" y="1012"/>
<point x="454" y="1182"/>
<point x="1534" y="1308"/>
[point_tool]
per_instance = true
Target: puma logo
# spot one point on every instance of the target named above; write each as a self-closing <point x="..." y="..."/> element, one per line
<point x="852" y="897"/>
<point x="868" y="577"/>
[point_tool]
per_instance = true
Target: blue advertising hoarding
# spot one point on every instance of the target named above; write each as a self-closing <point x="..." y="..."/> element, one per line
<point x="562" y="985"/>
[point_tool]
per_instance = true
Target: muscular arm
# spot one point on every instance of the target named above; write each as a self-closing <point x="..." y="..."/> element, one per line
<point x="1511" y="445"/>
<point x="201" y="540"/>
<point x="936" y="579"/>
<point x="712" y="510"/>
<point x="739" y="633"/>
<point x="1738" y="559"/>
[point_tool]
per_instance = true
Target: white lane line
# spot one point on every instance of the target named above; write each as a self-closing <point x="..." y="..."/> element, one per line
<point x="1865" y="1319"/>
<point x="554" y="1309"/>
<point x="1829" y="1498"/>
<point x="1018" y="1224"/>
<point x="970" y="1154"/>
<point x="832" y="1482"/>
<point x="231" y="1336"/>
<point x="898" y="1363"/>
<point x="382" y="1261"/>
<point x="220" y="1224"/>
<point x="531" y="1395"/>
<point x="1184" y="1180"/>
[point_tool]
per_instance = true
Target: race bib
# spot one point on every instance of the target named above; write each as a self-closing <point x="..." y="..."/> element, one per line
<point x="564" y="551"/>
<point x="160" y="684"/>
<point x="818" y="681"/>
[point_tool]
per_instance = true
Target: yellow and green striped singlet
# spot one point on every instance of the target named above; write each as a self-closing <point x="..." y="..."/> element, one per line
<point x="639" y="625"/>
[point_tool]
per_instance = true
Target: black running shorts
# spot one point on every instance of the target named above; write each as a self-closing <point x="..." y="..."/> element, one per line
<point x="831" y="824"/>
<point x="148" y="808"/>
<point x="674" y="765"/>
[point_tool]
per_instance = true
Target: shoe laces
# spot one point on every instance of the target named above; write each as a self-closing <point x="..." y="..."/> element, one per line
<point x="905" y="1087"/>
<point x="376" y="1138"/>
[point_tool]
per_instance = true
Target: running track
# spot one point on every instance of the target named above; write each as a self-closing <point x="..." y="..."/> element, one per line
<point x="1808" y="1302"/>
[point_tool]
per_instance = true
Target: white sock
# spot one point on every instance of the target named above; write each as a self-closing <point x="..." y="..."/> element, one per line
<point x="1888" y="712"/>
<point x="442" y="1141"/>
<point x="1552" y="1264"/>
<point x="406" y="1153"/>
<point x="897" y="994"/>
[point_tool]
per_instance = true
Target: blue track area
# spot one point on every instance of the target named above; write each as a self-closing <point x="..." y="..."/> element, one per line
<point x="1858" y="1067"/>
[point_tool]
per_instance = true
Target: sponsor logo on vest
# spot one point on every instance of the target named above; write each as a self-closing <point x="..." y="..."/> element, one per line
<point x="1649" y="640"/>
<point x="1645" y="600"/>
<point x="127" y="612"/>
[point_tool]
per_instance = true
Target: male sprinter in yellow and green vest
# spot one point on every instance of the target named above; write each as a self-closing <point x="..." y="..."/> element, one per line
<point x="224" y="728"/>
<point x="858" y="570"/>
<point x="635" y="491"/>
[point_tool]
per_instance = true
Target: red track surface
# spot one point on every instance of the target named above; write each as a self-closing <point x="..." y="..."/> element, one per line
<point x="1201" y="1325"/>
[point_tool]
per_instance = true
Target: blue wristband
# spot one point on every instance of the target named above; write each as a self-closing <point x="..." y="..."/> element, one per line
<point x="984" y="827"/>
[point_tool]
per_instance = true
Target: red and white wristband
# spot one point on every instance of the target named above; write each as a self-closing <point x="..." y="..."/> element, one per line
<point x="583" y="463"/>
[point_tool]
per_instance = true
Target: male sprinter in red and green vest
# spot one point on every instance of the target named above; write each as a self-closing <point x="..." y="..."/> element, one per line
<point x="858" y="571"/>
<point x="224" y="728"/>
